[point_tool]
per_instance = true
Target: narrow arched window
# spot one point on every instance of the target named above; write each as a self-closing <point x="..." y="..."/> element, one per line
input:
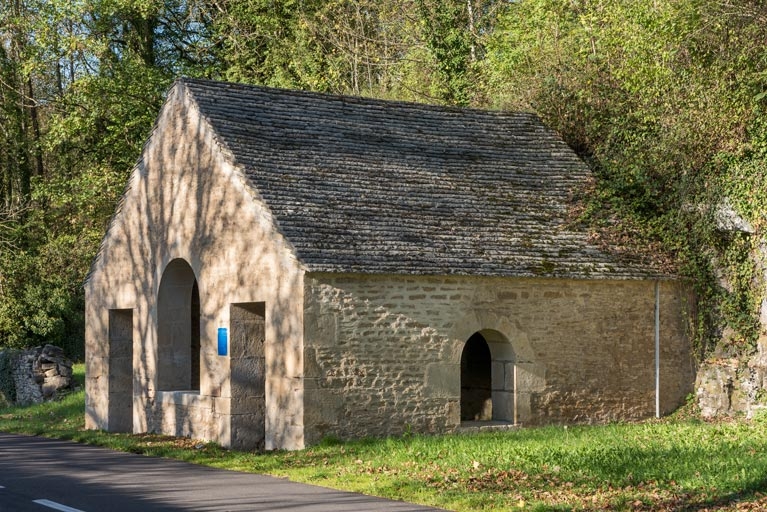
<point x="178" y="329"/>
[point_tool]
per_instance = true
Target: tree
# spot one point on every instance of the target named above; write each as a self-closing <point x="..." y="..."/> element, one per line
<point x="664" y="99"/>
<point x="18" y="110"/>
<point x="454" y="31"/>
<point x="660" y="98"/>
<point x="80" y="86"/>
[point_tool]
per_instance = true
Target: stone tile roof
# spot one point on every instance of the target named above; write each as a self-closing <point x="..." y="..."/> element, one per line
<point x="361" y="185"/>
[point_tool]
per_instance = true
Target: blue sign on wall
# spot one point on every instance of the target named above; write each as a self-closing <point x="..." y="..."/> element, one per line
<point x="222" y="341"/>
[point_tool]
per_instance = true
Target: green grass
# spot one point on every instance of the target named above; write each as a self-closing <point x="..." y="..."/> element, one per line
<point x="679" y="463"/>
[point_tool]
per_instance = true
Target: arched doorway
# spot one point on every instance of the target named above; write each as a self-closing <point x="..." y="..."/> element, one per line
<point x="476" y="380"/>
<point x="488" y="378"/>
<point x="178" y="329"/>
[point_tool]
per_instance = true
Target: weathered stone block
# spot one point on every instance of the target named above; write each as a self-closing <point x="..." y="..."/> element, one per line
<point x="246" y="404"/>
<point x="442" y="380"/>
<point x="524" y="409"/>
<point x="509" y="376"/>
<point x="53" y="384"/>
<point x="498" y="375"/>
<point x="453" y="416"/>
<point x="247" y="376"/>
<point x="321" y="329"/>
<point x="530" y="377"/>
<point x="312" y="369"/>
<point x="220" y="406"/>
<point x="248" y="431"/>
<point x="322" y="407"/>
<point x="503" y="406"/>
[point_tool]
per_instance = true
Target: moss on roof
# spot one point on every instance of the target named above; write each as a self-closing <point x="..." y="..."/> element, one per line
<point x="371" y="186"/>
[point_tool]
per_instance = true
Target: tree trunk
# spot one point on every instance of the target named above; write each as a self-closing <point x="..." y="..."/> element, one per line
<point x="35" y="121"/>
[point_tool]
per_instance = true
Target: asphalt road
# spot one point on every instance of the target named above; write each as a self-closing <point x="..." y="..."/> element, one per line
<point x="43" y="475"/>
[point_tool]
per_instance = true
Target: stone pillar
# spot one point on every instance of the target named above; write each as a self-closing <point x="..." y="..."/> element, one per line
<point x="248" y="371"/>
<point x="120" y="409"/>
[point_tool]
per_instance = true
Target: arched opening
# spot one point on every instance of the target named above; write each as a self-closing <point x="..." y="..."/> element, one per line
<point x="488" y="378"/>
<point x="178" y="329"/>
<point x="476" y="380"/>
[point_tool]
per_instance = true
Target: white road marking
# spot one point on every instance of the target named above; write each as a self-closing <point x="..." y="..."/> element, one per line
<point x="56" y="506"/>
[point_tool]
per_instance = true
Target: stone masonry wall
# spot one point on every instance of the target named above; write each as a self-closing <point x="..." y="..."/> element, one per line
<point x="187" y="200"/>
<point x="382" y="354"/>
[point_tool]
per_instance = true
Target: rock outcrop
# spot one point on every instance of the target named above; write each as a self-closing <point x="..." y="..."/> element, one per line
<point x="731" y="383"/>
<point x="35" y="375"/>
<point x="734" y="385"/>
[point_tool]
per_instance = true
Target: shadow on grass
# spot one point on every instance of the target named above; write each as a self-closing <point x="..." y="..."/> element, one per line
<point x="753" y="492"/>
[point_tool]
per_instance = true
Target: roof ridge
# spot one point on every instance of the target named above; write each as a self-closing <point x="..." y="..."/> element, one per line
<point x="351" y="99"/>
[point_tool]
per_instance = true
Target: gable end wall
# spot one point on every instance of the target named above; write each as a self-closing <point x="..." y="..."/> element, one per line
<point x="187" y="200"/>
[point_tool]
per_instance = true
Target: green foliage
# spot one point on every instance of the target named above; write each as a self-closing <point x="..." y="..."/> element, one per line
<point x="446" y="28"/>
<point x="43" y="299"/>
<point x="17" y="155"/>
<point x="97" y="74"/>
<point x="7" y="384"/>
<point x="425" y="50"/>
<point x="659" y="97"/>
<point x="267" y="43"/>
<point x="664" y="99"/>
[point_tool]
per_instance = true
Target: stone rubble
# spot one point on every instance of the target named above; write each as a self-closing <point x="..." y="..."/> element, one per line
<point x="40" y="374"/>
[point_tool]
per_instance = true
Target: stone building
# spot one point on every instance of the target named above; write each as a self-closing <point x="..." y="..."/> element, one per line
<point x="285" y="266"/>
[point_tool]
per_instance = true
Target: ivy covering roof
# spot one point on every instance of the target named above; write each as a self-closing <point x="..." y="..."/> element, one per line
<point x="369" y="186"/>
